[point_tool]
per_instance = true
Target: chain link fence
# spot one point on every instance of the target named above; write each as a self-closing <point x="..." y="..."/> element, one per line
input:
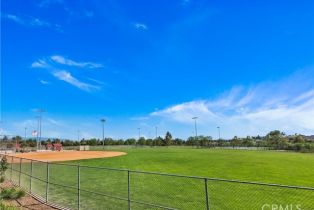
<point x="69" y="186"/>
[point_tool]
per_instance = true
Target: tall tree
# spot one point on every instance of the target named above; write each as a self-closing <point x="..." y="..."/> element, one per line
<point x="168" y="139"/>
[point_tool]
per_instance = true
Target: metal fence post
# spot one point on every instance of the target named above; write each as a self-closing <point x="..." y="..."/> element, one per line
<point x="78" y="187"/>
<point x="30" y="177"/>
<point x="129" y="191"/>
<point x="206" y="194"/>
<point x="20" y="172"/>
<point x="47" y="182"/>
<point x="11" y="168"/>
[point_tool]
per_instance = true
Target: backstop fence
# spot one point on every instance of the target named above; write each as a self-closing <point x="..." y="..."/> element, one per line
<point x="70" y="186"/>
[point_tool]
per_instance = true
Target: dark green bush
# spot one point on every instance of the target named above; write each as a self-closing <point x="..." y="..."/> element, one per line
<point x="2" y="178"/>
<point x="12" y="193"/>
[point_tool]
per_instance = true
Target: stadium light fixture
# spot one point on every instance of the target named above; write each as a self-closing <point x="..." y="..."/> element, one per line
<point x="40" y="111"/>
<point x="139" y="133"/>
<point x="218" y="132"/>
<point x="25" y="129"/>
<point x="103" y="132"/>
<point x="156" y="131"/>
<point x="195" y="126"/>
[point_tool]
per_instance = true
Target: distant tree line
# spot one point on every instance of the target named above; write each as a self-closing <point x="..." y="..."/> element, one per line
<point x="273" y="140"/>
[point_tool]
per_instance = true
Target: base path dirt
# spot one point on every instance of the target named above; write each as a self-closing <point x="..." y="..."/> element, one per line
<point x="67" y="155"/>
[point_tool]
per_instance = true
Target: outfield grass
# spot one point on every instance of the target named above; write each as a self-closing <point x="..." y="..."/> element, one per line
<point x="181" y="193"/>
<point x="289" y="168"/>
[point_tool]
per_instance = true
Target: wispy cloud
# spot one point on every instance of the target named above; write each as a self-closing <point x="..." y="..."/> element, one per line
<point x="68" y="62"/>
<point x="44" y="82"/>
<point x="40" y="64"/>
<point x="14" y="18"/>
<point x="55" y="63"/>
<point x="139" y="118"/>
<point x="55" y="122"/>
<point x="52" y="127"/>
<point x="46" y="3"/>
<point x="97" y="81"/>
<point x="140" y="26"/>
<point x="52" y="61"/>
<point x="67" y="77"/>
<point x="31" y="21"/>
<point x="256" y="109"/>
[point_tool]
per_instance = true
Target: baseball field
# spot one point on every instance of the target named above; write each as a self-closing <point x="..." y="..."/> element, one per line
<point x="285" y="168"/>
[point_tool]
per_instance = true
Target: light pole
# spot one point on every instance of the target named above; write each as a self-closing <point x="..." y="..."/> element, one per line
<point x="0" y="127"/>
<point x="156" y="131"/>
<point x="139" y="133"/>
<point x="25" y="132"/>
<point x="37" y="133"/>
<point x="103" y="132"/>
<point x="78" y="135"/>
<point x="194" y="118"/>
<point x="218" y="132"/>
<point x="40" y="111"/>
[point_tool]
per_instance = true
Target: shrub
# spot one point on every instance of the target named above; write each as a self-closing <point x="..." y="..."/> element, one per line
<point x="2" y="179"/>
<point x="12" y="193"/>
<point x="3" y="167"/>
<point x="6" y="207"/>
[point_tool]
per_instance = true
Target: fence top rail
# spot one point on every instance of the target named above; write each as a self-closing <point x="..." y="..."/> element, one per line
<point x="178" y="175"/>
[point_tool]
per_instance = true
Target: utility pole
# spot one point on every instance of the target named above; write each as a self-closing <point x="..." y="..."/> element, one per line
<point x="139" y="133"/>
<point x="37" y="133"/>
<point x="195" y="127"/>
<point x="218" y="132"/>
<point x="103" y="132"/>
<point x="25" y="133"/>
<point x="156" y="131"/>
<point x="40" y="111"/>
<point x="78" y="135"/>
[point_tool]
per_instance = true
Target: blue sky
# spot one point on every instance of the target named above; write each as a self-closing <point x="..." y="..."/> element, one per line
<point x="246" y="66"/>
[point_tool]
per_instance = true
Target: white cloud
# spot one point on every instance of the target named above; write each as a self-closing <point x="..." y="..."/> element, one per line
<point x="140" y="26"/>
<point x="40" y="64"/>
<point x="139" y="118"/>
<point x="31" y="22"/>
<point x="14" y="18"/>
<point x="97" y="81"/>
<point x="184" y="112"/>
<point x="55" y="122"/>
<point x="67" y="77"/>
<point x="44" y="82"/>
<point x="46" y="3"/>
<point x="52" y="127"/>
<point x="287" y="105"/>
<point x="68" y="62"/>
<point x="54" y="63"/>
<point x="38" y="22"/>
<point x="3" y="132"/>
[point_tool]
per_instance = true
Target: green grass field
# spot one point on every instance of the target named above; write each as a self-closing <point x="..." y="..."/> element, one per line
<point x="286" y="168"/>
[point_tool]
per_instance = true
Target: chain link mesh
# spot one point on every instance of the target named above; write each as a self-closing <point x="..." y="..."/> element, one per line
<point x="168" y="191"/>
<point x="39" y="176"/>
<point x="230" y="195"/>
<point x="63" y="182"/>
<point x="25" y="174"/>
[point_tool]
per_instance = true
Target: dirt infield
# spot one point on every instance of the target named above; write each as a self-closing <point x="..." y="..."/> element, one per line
<point x="67" y="155"/>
